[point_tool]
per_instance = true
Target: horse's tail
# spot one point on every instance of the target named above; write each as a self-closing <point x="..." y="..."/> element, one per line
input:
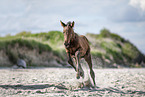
<point x="85" y="38"/>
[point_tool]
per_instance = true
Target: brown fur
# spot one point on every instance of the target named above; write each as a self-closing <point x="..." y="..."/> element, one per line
<point x="77" y="47"/>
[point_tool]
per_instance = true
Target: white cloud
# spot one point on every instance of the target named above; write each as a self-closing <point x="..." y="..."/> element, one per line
<point x="138" y="4"/>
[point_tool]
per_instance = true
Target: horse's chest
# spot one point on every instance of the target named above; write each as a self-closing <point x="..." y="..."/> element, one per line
<point x="72" y="51"/>
<point x="73" y="47"/>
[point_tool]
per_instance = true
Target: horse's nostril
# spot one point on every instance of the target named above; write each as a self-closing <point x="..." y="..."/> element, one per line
<point x="66" y="44"/>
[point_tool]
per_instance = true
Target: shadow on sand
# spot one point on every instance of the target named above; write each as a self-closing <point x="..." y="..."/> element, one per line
<point x="33" y="87"/>
<point x="98" y="91"/>
<point x="111" y="90"/>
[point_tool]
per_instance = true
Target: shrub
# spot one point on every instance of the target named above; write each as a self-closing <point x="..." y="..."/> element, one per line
<point x="129" y="51"/>
<point x="24" y="33"/>
<point x="31" y="44"/>
<point x="12" y="56"/>
<point x="55" y="36"/>
<point x="117" y="37"/>
<point x="105" y="33"/>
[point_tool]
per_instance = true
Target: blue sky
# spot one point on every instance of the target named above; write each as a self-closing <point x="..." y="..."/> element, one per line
<point x="124" y="17"/>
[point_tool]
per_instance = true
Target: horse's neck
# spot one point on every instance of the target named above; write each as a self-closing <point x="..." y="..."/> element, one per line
<point x="75" y="36"/>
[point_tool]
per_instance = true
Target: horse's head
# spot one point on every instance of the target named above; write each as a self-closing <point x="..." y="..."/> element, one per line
<point x="68" y="32"/>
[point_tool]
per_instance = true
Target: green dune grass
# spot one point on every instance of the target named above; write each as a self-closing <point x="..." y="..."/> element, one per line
<point x="105" y="45"/>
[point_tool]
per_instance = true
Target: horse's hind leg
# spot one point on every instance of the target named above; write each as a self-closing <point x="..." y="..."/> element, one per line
<point x="89" y="61"/>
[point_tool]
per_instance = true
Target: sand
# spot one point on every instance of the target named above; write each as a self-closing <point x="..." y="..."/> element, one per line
<point x="62" y="82"/>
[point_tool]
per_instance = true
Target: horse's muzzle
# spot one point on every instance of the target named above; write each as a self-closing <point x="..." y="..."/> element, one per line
<point x="67" y="45"/>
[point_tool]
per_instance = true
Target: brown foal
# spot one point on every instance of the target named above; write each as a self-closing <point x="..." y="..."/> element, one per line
<point x="77" y="47"/>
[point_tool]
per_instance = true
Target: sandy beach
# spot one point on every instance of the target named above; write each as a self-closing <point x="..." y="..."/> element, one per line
<point x="62" y="82"/>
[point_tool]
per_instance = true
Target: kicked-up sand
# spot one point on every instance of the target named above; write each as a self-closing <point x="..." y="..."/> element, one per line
<point x="52" y="82"/>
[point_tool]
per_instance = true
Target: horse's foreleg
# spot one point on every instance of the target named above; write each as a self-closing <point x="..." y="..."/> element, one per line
<point x="89" y="61"/>
<point x="70" y="61"/>
<point x="79" y="69"/>
<point x="77" y="56"/>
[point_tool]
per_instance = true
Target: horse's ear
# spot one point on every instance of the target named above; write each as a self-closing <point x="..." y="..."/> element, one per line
<point x="62" y="24"/>
<point x="72" y="24"/>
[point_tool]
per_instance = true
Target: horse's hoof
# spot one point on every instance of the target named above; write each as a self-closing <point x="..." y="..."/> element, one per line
<point x="78" y="76"/>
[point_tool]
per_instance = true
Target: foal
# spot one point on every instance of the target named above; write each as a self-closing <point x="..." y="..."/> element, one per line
<point x="77" y="47"/>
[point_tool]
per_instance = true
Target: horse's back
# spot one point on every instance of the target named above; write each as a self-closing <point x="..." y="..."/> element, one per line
<point x="84" y="37"/>
<point x="84" y="44"/>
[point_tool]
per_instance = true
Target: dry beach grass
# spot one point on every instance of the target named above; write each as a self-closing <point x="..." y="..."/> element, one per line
<point x="62" y="82"/>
